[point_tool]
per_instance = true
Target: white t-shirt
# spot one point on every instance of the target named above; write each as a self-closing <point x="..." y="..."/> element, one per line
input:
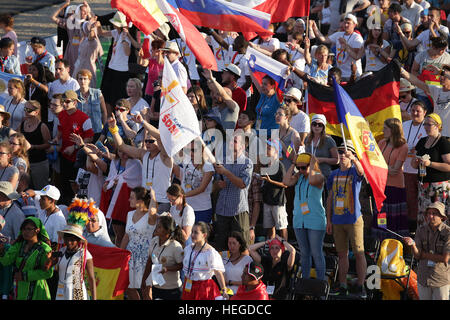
<point x="412" y="13"/>
<point x="412" y="134"/>
<point x="424" y="38"/>
<point x="53" y="223"/>
<point x="16" y="111"/>
<point x="301" y="122"/>
<point x="271" y="42"/>
<point x="157" y="175"/>
<point x="373" y="63"/>
<point x="56" y="87"/>
<point x="219" y="52"/>
<point x="343" y="59"/>
<point x="95" y="185"/>
<point x="203" y="263"/>
<point x="191" y="178"/>
<point x="233" y="272"/>
<point x="441" y="101"/>
<point x="187" y="219"/>
<point x="189" y="60"/>
<point x="294" y="80"/>
<point x="119" y="60"/>
<point x="181" y="73"/>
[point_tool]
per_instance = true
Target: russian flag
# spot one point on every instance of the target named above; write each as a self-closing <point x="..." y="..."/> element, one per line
<point x="262" y="65"/>
<point x="223" y="15"/>
<point x="280" y="10"/>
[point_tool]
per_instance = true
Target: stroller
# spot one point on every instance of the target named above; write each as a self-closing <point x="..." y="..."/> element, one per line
<point x="398" y="280"/>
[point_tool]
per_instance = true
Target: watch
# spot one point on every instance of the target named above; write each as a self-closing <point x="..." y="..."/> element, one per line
<point x="252" y="228"/>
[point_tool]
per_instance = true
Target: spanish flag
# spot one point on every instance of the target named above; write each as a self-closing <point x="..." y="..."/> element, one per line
<point x="366" y="147"/>
<point x="376" y="97"/>
<point x="111" y="271"/>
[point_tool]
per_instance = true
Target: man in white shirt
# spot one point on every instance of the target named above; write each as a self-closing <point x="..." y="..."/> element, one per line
<point x="348" y="43"/>
<point x="300" y="121"/>
<point x="411" y="11"/>
<point x="424" y="4"/>
<point x="62" y="83"/>
<point x="173" y="53"/>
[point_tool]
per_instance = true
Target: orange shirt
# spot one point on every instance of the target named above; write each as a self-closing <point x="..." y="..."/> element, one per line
<point x="392" y="155"/>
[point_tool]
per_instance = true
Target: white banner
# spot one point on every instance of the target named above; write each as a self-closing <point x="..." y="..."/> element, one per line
<point x="178" y="124"/>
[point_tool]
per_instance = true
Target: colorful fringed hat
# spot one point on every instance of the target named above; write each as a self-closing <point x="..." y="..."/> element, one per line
<point x="80" y="211"/>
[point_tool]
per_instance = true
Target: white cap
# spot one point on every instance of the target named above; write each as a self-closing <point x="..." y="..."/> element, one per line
<point x="233" y="69"/>
<point x="171" y="46"/>
<point x="351" y="17"/>
<point x="319" y="118"/>
<point x="119" y="20"/>
<point x="294" y="93"/>
<point x="50" y="191"/>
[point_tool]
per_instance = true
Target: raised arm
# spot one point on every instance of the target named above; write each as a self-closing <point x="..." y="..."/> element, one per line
<point x="55" y="15"/>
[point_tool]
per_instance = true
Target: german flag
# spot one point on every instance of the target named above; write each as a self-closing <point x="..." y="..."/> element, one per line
<point x="111" y="271"/>
<point x="376" y="97"/>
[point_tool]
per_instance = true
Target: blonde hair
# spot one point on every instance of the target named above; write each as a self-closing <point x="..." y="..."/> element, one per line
<point x="22" y="152"/>
<point x="18" y="84"/>
<point x="84" y="72"/>
<point x="138" y="84"/>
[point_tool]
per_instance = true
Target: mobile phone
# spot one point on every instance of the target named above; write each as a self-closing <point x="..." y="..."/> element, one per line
<point x="100" y="146"/>
<point x="53" y="143"/>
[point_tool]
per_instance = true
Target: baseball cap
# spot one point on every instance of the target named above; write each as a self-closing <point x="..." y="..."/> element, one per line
<point x="350" y="146"/>
<point x="7" y="189"/>
<point x="233" y="69"/>
<point x="38" y="40"/>
<point x="294" y="93"/>
<point x="440" y="207"/>
<point x="351" y="17"/>
<point x="70" y="94"/>
<point x="50" y="191"/>
<point x="319" y="118"/>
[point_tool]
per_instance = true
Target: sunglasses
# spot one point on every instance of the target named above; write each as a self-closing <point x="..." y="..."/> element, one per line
<point x="288" y="100"/>
<point x="402" y="97"/>
<point x="340" y="151"/>
<point x="150" y="140"/>
<point x="68" y="101"/>
<point x="28" y="110"/>
<point x="317" y="124"/>
<point x="302" y="168"/>
<point x="120" y="109"/>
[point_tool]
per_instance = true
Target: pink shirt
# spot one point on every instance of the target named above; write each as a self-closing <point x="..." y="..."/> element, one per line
<point x="154" y="69"/>
<point x="13" y="36"/>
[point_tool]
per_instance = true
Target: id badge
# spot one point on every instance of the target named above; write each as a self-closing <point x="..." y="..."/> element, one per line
<point x="60" y="291"/>
<point x="75" y="40"/>
<point x="188" y="285"/>
<point x="270" y="290"/>
<point x="304" y="207"/>
<point x="339" y="209"/>
<point x="149" y="184"/>
<point x="188" y="186"/>
<point x="431" y="263"/>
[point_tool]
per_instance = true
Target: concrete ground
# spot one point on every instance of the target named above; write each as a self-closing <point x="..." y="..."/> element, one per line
<point x="36" y="22"/>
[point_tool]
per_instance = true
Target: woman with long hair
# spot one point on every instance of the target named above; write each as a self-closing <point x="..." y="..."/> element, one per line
<point x="376" y="49"/>
<point x="235" y="259"/>
<point x="268" y="104"/>
<point x="15" y="104"/>
<point x="309" y="212"/>
<point x="140" y="226"/>
<point x="201" y="262"/>
<point x="181" y="212"/>
<point x="321" y="145"/>
<point x="166" y="250"/>
<point x="433" y="161"/>
<point x="287" y="134"/>
<point x="19" y="153"/>
<point x="197" y="98"/>
<point x="8" y="172"/>
<point x="30" y="254"/>
<point x="38" y="135"/>
<point x="394" y="148"/>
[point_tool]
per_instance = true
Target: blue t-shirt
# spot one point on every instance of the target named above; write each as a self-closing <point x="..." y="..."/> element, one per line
<point x="346" y="206"/>
<point x="315" y="219"/>
<point x="265" y="110"/>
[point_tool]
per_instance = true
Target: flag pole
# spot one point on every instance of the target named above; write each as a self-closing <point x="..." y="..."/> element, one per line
<point x="343" y="136"/>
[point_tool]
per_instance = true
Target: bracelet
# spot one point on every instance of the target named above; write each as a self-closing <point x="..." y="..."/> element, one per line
<point x="252" y="228"/>
<point x="114" y="130"/>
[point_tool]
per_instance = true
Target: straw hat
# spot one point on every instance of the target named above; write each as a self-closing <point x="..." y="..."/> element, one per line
<point x="171" y="46"/>
<point x="405" y="85"/>
<point x="440" y="207"/>
<point x="6" y="115"/>
<point x="119" y="20"/>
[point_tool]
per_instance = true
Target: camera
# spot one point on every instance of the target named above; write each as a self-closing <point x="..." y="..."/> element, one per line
<point x="156" y="83"/>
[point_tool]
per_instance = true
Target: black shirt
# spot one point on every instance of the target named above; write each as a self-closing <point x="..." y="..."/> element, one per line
<point x="441" y="147"/>
<point x="274" y="195"/>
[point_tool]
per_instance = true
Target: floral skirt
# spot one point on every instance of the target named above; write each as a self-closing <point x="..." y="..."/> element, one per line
<point x="396" y="211"/>
<point x="430" y="192"/>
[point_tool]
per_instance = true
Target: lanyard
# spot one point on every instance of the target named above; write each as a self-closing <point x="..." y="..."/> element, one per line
<point x="12" y="114"/>
<point x="382" y="152"/>
<point x="159" y="256"/>
<point x="409" y="132"/>
<point x="191" y="266"/>
<point x="337" y="184"/>
<point x="40" y="57"/>
<point x="300" y="190"/>
<point x="4" y="215"/>
<point x="435" y="242"/>
<point x="153" y="167"/>
<point x="313" y="151"/>
<point x="193" y="175"/>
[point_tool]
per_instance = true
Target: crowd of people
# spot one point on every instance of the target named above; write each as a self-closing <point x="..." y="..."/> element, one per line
<point x="77" y="134"/>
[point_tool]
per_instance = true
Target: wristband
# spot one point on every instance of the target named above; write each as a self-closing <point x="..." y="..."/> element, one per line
<point x="114" y="130"/>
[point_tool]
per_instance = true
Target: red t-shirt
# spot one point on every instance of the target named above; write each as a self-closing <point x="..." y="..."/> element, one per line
<point x="259" y="293"/>
<point x="78" y="123"/>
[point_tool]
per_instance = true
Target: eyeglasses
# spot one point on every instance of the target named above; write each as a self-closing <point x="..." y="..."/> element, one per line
<point x="67" y="101"/>
<point x="120" y="109"/>
<point x="317" y="124"/>
<point x="150" y="140"/>
<point x="1" y="152"/>
<point x="281" y="114"/>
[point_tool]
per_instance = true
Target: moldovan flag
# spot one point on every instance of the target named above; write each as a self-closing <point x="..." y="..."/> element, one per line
<point x="178" y="124"/>
<point x="376" y="97"/>
<point x="111" y="271"/>
<point x="262" y="65"/>
<point x="366" y="147"/>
